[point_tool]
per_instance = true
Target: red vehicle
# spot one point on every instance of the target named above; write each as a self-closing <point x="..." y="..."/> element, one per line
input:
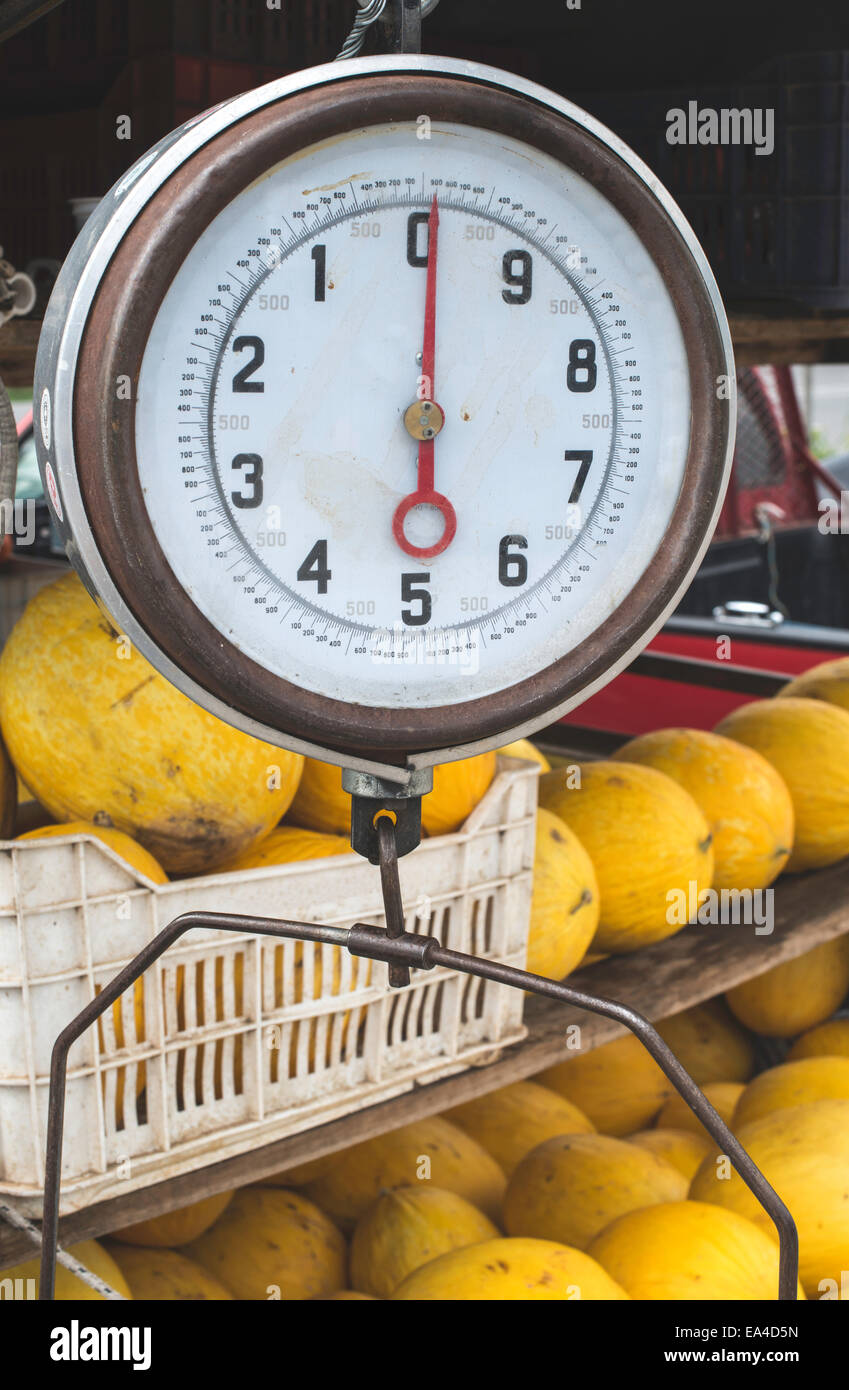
<point x="771" y="597"/>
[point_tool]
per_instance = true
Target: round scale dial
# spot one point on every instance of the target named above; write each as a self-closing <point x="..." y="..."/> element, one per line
<point x="425" y="429"/>
<point x="278" y="378"/>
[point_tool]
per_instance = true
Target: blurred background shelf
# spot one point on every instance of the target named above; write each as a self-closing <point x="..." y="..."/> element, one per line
<point x="769" y="337"/>
<point x="18" y="346"/>
<point x="761" y="337"/>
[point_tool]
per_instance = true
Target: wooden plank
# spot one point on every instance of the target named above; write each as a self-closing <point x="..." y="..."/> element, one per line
<point x="18" y="344"/>
<point x="760" y="338"/>
<point x="691" y="966"/>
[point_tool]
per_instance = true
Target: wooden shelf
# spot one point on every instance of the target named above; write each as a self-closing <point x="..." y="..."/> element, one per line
<point x="766" y="336"/>
<point x="761" y="337"/>
<point x="18" y="345"/>
<point x="691" y="966"/>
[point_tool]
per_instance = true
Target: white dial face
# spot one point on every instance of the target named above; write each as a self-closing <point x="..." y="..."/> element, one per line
<point x="475" y="279"/>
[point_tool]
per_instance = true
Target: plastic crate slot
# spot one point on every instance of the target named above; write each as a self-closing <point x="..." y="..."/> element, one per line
<point x="217" y="1070"/>
<point x="473" y="1000"/>
<point x="219" y="989"/>
<point x="482" y="926"/>
<point x="436" y="995"/>
<point x="424" y="1012"/>
<point x="180" y="998"/>
<point x="312" y="1031"/>
<point x="412" y="1015"/>
<point x="179" y="1065"/>
<point x="355" y="1042"/>
<point x="338" y="1026"/>
<point x="229" y="1074"/>
<point x="481" y="996"/>
<point x="465" y="991"/>
<point x="391" y="1010"/>
<point x="281" y="1045"/>
<point x="423" y="922"/>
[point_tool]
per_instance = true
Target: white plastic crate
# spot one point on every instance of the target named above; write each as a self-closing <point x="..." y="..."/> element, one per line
<point x="246" y="1039"/>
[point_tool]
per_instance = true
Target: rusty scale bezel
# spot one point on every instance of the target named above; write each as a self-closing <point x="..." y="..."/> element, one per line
<point x="121" y="313"/>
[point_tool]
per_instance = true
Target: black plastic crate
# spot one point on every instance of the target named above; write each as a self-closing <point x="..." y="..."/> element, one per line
<point x="773" y="226"/>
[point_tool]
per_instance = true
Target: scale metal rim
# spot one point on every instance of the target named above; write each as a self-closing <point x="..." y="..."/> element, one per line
<point x="63" y="334"/>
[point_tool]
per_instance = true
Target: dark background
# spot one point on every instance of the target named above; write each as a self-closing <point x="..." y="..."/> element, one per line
<point x="66" y="77"/>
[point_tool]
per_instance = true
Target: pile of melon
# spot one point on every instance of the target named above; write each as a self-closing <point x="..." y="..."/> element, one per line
<point x="591" y="1181"/>
<point x="104" y="744"/>
<point x="627" y="849"/>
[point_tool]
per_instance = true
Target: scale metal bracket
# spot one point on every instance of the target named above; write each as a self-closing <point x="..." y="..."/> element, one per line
<point x="401" y="951"/>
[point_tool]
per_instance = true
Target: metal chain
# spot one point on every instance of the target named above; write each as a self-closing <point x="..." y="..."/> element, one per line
<point x="370" y="11"/>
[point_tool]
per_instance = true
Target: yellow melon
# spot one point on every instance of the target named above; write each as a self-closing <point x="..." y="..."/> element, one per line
<point x="807" y="742"/>
<point x="826" y="1040"/>
<point x="565" y="903"/>
<point x="804" y="1153"/>
<point x="689" y="1251"/>
<point x="176" y="1227"/>
<point x="405" y="1229"/>
<point x="510" y="1122"/>
<point x="618" y="1086"/>
<point x="124" y="845"/>
<point x="723" y="1096"/>
<point x="344" y="1296"/>
<point x="709" y="1042"/>
<point x="432" y="1150"/>
<point x="288" y="844"/>
<point x="743" y="798"/>
<point x="272" y="1244"/>
<point x="70" y="1289"/>
<point x="99" y="736"/>
<point x="321" y="803"/>
<point x="510" y="1270"/>
<point x="523" y="748"/>
<point x="568" y="1189"/>
<point x="793" y="1083"/>
<point x="683" y="1149"/>
<point x="649" y="843"/>
<point x="166" y="1276"/>
<point x="829" y="681"/>
<point x="795" y="995"/>
<point x="10" y="794"/>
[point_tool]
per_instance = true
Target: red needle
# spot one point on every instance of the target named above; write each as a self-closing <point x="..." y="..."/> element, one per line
<point x="429" y="341"/>
<point x="424" y="494"/>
